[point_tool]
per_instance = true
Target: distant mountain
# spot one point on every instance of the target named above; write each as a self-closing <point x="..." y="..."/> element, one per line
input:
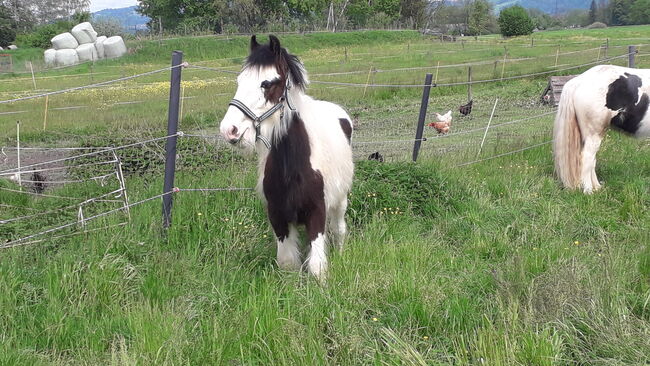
<point x="549" y="6"/>
<point x="130" y="19"/>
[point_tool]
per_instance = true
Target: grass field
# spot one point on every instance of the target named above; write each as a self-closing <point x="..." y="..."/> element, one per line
<point x="486" y="264"/>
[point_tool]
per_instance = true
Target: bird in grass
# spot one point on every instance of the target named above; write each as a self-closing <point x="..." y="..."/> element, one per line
<point x="444" y="123"/>
<point x="376" y="156"/>
<point x="38" y="181"/>
<point x="466" y="109"/>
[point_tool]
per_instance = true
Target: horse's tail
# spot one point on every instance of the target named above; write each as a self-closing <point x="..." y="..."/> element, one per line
<point x="567" y="139"/>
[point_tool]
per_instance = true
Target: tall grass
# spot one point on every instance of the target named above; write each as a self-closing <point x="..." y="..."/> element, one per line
<point x="491" y="263"/>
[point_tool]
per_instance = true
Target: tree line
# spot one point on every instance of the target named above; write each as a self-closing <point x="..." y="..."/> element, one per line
<point x="233" y="16"/>
<point x="35" y="21"/>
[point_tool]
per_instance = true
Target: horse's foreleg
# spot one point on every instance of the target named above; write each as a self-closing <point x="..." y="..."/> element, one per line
<point x="588" y="175"/>
<point x="317" y="260"/>
<point x="287" y="238"/>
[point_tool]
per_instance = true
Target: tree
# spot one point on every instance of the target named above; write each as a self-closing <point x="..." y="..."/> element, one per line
<point x="593" y="11"/>
<point x="620" y="12"/>
<point x="514" y="21"/>
<point x="542" y="20"/>
<point x="640" y="12"/>
<point x="413" y="12"/>
<point x="479" y="17"/>
<point x="7" y="32"/>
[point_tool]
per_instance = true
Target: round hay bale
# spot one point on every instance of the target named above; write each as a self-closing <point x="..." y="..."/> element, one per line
<point x="87" y="52"/>
<point x="64" y="41"/>
<point x="114" y="47"/>
<point x="50" y="57"/>
<point x="84" y="33"/>
<point x="99" y="46"/>
<point x="66" y="57"/>
<point x="2" y="49"/>
<point x="13" y="47"/>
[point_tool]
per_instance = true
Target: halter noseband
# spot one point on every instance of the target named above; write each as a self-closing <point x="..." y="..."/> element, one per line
<point x="257" y="120"/>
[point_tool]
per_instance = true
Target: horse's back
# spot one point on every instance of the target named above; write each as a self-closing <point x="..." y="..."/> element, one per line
<point x="609" y="94"/>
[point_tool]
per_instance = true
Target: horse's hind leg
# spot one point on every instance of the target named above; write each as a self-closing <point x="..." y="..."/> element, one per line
<point x="337" y="226"/>
<point x="588" y="174"/>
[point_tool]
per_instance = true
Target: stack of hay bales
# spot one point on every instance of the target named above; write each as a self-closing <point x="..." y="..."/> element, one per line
<point x="82" y="44"/>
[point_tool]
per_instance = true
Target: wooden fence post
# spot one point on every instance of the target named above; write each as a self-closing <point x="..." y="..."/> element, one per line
<point x="631" y="52"/>
<point x="423" y="115"/>
<point x="172" y="129"/>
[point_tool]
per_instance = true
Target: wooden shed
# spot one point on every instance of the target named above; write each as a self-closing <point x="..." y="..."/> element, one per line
<point x="551" y="94"/>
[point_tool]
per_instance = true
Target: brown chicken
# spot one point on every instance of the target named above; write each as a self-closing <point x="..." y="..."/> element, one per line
<point x="443" y="124"/>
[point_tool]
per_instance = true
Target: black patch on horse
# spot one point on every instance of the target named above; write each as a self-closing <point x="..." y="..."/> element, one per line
<point x="294" y="191"/>
<point x="346" y="127"/>
<point x="622" y="96"/>
<point x="273" y="54"/>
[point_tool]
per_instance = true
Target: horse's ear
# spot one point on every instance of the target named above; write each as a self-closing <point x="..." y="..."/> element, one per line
<point x="254" y="43"/>
<point x="275" y="44"/>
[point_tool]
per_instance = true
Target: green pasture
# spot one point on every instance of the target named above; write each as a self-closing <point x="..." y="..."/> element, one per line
<point x="490" y="263"/>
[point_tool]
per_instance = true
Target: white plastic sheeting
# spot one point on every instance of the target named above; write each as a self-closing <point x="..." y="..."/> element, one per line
<point x="99" y="46"/>
<point x="84" y="33"/>
<point x="50" y="57"/>
<point x="64" y="41"/>
<point x="87" y="52"/>
<point x="114" y="47"/>
<point x="66" y="57"/>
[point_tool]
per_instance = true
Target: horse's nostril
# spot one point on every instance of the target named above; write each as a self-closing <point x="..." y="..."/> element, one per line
<point x="233" y="131"/>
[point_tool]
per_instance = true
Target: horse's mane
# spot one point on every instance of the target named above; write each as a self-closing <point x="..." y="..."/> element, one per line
<point x="272" y="54"/>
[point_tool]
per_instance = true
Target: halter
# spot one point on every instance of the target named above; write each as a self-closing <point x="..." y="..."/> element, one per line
<point x="257" y="120"/>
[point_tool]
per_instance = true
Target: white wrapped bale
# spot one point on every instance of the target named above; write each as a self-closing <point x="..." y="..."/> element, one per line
<point x="87" y="52"/>
<point x="84" y="33"/>
<point x="64" y="41"/>
<point x="66" y="57"/>
<point x="50" y="57"/>
<point x="13" y="47"/>
<point x="114" y="47"/>
<point x="99" y="46"/>
<point x="1" y="49"/>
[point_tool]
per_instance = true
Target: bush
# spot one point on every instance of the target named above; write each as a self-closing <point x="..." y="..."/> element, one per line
<point x="597" y="25"/>
<point x="42" y="35"/>
<point x="515" y="21"/>
<point x="401" y="187"/>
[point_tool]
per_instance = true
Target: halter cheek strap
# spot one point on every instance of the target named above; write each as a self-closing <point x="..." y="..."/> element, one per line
<point x="257" y="120"/>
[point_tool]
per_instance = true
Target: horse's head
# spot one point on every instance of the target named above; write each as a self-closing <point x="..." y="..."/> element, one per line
<point x="263" y="86"/>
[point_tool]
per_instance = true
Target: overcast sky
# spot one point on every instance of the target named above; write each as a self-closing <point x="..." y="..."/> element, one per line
<point x="96" y="5"/>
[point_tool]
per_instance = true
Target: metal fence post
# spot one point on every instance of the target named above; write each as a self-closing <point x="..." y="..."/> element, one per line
<point x="423" y="116"/>
<point x="631" y="52"/>
<point x="172" y="129"/>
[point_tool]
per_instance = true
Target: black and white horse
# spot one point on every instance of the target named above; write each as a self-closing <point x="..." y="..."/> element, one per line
<point x="303" y="146"/>
<point x="602" y="96"/>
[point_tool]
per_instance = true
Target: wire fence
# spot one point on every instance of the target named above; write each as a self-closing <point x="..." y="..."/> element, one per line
<point x="390" y="137"/>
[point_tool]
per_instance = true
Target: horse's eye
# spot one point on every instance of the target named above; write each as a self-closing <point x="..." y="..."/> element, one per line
<point x="266" y="84"/>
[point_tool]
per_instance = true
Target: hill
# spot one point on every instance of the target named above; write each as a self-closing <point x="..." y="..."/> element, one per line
<point x="549" y="6"/>
<point x="129" y="17"/>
